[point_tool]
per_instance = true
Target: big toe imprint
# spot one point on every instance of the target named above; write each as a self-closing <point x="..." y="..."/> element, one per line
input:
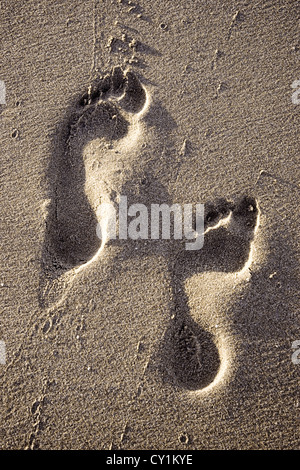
<point x="190" y="354"/>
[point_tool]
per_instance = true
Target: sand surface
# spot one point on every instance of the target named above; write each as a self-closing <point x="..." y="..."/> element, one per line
<point x="140" y="344"/>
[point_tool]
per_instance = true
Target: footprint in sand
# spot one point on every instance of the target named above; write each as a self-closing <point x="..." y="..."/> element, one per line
<point x="100" y="157"/>
<point x="190" y="356"/>
<point x="96" y="160"/>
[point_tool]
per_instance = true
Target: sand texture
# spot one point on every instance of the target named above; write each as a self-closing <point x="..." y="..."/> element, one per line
<point x="143" y="343"/>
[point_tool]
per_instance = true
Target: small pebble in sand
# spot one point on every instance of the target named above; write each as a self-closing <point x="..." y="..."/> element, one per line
<point x="184" y="438"/>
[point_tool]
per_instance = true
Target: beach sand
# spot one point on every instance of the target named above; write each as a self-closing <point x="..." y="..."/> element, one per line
<point x="142" y="344"/>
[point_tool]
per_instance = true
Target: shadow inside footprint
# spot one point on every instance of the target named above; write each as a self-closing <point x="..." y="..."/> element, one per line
<point x="190" y="355"/>
<point x="71" y="237"/>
